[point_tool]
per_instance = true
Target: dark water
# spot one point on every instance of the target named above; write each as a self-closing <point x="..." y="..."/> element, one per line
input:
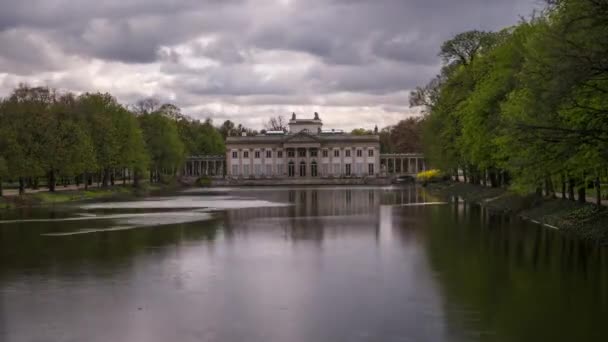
<point x="341" y="264"/>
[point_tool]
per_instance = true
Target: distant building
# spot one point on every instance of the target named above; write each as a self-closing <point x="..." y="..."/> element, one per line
<point x="305" y="151"/>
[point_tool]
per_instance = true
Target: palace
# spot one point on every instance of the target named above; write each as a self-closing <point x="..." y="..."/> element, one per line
<point x="305" y="151"/>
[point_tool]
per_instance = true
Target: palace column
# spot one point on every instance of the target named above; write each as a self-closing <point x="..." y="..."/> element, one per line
<point x="342" y="165"/>
<point x="417" y="169"/>
<point x="308" y="163"/>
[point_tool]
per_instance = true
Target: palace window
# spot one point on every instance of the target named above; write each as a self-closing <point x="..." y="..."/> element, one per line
<point x="302" y="169"/>
<point x="291" y="169"/>
<point x="279" y="154"/>
<point x="324" y="169"/>
<point x="347" y="153"/>
<point x="301" y="153"/>
<point x="291" y="153"/>
<point x="246" y="170"/>
<point x="257" y="154"/>
<point x="325" y="153"/>
<point x="235" y="170"/>
<point x="359" y="168"/>
<point x="370" y="153"/>
<point x="336" y="153"/>
<point x="336" y="169"/>
<point x="280" y="170"/>
<point x="235" y="154"/>
<point x="347" y="169"/>
<point x="268" y="169"/>
<point x="359" y="153"/>
<point x="269" y="154"/>
<point x="370" y="169"/>
<point x="246" y="154"/>
<point x="313" y="169"/>
<point x="258" y="169"/>
<point x="313" y="153"/>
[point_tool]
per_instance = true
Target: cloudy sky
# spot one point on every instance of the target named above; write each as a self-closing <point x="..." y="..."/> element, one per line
<point x="353" y="61"/>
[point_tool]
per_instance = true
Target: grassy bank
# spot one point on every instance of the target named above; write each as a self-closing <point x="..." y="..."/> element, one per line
<point x="584" y="220"/>
<point x="117" y="192"/>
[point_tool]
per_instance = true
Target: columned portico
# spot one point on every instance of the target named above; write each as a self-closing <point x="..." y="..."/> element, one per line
<point x="209" y="166"/>
<point x="402" y="163"/>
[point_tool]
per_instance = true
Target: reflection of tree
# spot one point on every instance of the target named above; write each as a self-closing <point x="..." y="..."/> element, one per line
<point x="96" y="252"/>
<point x="516" y="281"/>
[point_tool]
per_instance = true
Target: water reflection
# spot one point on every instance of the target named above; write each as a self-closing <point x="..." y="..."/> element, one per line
<point x="317" y="264"/>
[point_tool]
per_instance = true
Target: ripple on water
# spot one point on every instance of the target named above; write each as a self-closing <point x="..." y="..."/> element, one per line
<point x="215" y="202"/>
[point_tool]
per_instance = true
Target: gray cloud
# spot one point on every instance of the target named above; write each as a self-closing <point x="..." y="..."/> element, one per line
<point x="270" y="55"/>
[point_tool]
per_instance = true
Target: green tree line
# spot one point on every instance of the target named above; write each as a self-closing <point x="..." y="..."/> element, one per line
<point x="526" y="106"/>
<point x="62" y="138"/>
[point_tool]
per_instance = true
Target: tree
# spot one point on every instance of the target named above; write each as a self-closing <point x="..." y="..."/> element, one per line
<point x="276" y="123"/>
<point x="361" y="131"/>
<point x="228" y="129"/>
<point x="3" y="173"/>
<point x="163" y="144"/>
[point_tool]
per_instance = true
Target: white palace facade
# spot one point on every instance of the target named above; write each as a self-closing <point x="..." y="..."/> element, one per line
<point x="306" y="150"/>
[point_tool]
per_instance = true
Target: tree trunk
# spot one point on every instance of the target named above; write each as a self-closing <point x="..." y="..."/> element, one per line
<point x="1" y="188"/>
<point x="494" y="181"/>
<point x="135" y="178"/>
<point x="21" y="186"/>
<point x="563" y="187"/>
<point x="571" y="189"/>
<point x="51" y="180"/>
<point x="151" y="176"/>
<point x="582" y="194"/>
<point x="112" y="176"/>
<point x="549" y="187"/>
<point x="124" y="176"/>
<point x="464" y="174"/>
<point x="598" y="192"/>
<point x="105" y="178"/>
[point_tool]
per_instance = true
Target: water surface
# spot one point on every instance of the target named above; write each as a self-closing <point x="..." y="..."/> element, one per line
<point x="295" y="264"/>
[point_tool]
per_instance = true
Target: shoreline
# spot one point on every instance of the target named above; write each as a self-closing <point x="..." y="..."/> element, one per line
<point x="584" y="220"/>
<point x="116" y="192"/>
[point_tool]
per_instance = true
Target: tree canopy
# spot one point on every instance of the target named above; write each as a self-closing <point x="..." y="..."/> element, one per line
<point x="45" y="134"/>
<point x="526" y="104"/>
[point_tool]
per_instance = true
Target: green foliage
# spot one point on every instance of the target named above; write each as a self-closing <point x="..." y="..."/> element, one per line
<point x="361" y="131"/>
<point x="529" y="101"/>
<point x="203" y="182"/>
<point x="163" y="143"/>
<point x="47" y="134"/>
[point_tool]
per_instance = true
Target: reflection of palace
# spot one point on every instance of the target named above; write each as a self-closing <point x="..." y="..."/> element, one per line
<point x="316" y="212"/>
<point x="306" y="151"/>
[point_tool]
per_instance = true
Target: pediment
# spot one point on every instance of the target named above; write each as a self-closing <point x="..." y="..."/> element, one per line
<point x="301" y="137"/>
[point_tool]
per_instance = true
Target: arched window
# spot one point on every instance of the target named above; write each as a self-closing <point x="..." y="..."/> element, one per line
<point x="313" y="169"/>
<point x="291" y="169"/>
<point x="302" y="169"/>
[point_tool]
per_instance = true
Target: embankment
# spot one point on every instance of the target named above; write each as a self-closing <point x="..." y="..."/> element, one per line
<point x="584" y="220"/>
<point x="118" y="192"/>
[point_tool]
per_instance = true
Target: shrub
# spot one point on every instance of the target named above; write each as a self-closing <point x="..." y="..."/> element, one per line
<point x="429" y="176"/>
<point x="203" y="182"/>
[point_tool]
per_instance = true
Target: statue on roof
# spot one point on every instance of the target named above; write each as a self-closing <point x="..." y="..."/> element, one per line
<point x="376" y="129"/>
<point x="293" y="116"/>
<point x="317" y="116"/>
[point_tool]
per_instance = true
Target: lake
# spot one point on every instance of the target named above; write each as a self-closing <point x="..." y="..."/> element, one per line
<point x="295" y="264"/>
